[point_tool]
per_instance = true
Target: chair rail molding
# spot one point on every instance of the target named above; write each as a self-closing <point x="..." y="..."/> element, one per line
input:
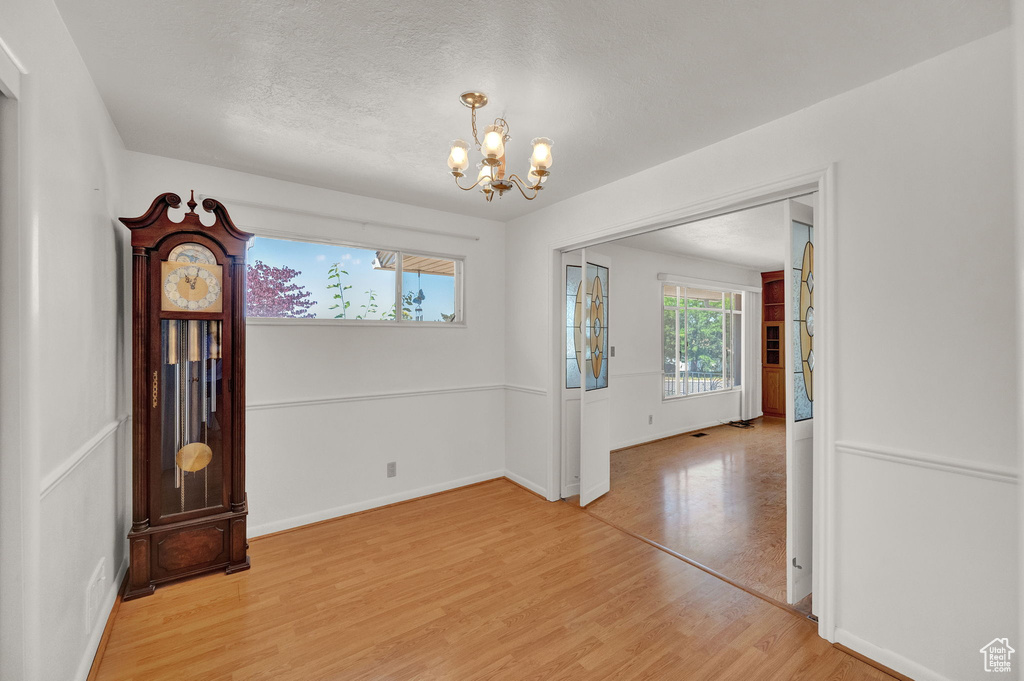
<point x="365" y="397"/>
<point x="53" y="479"/>
<point x="976" y="469"/>
<point x="11" y="71"/>
<point x="526" y="389"/>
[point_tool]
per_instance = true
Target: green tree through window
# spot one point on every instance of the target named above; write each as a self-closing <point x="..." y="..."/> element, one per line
<point x="700" y="340"/>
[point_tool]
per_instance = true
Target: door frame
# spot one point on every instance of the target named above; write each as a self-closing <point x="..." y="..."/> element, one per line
<point x="19" y="468"/>
<point x="821" y="180"/>
<point x="795" y="430"/>
<point x="567" y="486"/>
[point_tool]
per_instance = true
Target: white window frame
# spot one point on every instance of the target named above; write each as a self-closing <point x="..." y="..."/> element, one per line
<point x="707" y="285"/>
<point x="398" y="322"/>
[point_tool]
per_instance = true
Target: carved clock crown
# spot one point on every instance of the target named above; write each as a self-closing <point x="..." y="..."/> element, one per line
<point x="150" y="228"/>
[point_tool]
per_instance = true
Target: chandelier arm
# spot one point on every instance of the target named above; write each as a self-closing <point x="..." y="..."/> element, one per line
<point x="519" y="185"/>
<point x="466" y="189"/>
<point x="535" y="187"/>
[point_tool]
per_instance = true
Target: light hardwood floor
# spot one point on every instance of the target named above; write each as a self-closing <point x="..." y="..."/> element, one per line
<point x="485" y="582"/>
<point x="719" y="500"/>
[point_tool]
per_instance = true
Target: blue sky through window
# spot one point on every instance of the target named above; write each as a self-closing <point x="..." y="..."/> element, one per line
<point x="314" y="260"/>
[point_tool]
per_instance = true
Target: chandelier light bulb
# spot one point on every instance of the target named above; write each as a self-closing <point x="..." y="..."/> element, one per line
<point x="541" y="158"/>
<point x="458" y="159"/>
<point x="484" y="177"/>
<point x="493" y="146"/>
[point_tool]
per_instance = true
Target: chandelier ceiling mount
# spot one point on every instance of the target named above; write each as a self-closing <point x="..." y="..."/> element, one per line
<point x="473" y="100"/>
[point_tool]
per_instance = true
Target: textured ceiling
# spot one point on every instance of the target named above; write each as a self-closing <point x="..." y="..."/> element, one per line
<point x="362" y="95"/>
<point x="753" y="238"/>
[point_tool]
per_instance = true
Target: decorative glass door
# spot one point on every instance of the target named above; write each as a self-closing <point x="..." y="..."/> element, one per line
<point x="590" y="332"/>
<point x="190" y="469"/>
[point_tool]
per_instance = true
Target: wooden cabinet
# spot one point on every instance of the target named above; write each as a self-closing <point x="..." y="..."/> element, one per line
<point x="773" y="343"/>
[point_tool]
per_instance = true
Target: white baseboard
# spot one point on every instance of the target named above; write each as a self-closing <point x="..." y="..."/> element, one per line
<point x="668" y="433"/>
<point x="595" y="491"/>
<point x="890" y="659"/>
<point x="347" y="509"/>
<point x="571" y="490"/>
<point x="102" y="615"/>
<point x="528" y="484"/>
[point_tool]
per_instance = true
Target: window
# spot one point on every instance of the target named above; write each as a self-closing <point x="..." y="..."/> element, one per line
<point x="702" y="340"/>
<point x="308" y="280"/>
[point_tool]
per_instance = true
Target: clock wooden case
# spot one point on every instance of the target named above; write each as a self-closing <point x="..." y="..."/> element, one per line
<point x="188" y="350"/>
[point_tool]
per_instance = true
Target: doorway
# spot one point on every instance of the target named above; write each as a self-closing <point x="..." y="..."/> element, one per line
<point x="731" y="497"/>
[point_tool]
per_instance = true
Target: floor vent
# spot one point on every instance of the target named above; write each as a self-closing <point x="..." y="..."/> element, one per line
<point x="700" y="435"/>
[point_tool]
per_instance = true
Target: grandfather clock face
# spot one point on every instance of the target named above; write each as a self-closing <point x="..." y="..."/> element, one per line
<point x="191" y="280"/>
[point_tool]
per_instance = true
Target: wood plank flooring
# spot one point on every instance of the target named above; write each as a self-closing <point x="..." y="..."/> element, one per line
<point x="719" y="500"/>
<point x="484" y="582"/>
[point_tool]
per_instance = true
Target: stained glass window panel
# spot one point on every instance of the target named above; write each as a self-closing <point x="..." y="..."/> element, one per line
<point x="573" y="279"/>
<point x="572" y="373"/>
<point x="802" y="292"/>
<point x="596" y="341"/>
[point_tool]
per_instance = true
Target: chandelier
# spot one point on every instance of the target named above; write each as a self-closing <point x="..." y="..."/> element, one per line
<point x="492" y="177"/>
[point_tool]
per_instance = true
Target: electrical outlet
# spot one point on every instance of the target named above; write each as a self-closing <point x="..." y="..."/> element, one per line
<point x="612" y="353"/>
<point x="392" y="469"/>
<point x="94" y="593"/>
<point x="650" y="419"/>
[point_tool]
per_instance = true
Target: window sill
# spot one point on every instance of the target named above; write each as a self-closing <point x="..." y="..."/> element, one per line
<point x="676" y="398"/>
<point x="383" y="323"/>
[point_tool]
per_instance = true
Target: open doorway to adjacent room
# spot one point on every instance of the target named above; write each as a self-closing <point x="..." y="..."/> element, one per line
<point x="707" y="335"/>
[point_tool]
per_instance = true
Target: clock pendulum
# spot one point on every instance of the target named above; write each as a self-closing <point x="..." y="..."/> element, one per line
<point x="203" y="412"/>
<point x="194" y="401"/>
<point x="182" y="400"/>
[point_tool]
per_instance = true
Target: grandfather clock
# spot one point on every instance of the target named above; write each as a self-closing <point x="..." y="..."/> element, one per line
<point x="188" y="347"/>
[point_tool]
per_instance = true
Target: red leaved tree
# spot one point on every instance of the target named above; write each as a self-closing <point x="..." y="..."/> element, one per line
<point x="271" y="293"/>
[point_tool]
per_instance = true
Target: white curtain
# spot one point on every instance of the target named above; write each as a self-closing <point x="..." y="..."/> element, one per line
<point x="751" y="370"/>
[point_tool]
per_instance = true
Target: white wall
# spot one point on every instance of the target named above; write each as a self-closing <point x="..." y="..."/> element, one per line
<point x="329" y="405"/>
<point x="635" y="324"/>
<point x="924" y="534"/>
<point x="69" y="392"/>
<point x="924" y="195"/>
